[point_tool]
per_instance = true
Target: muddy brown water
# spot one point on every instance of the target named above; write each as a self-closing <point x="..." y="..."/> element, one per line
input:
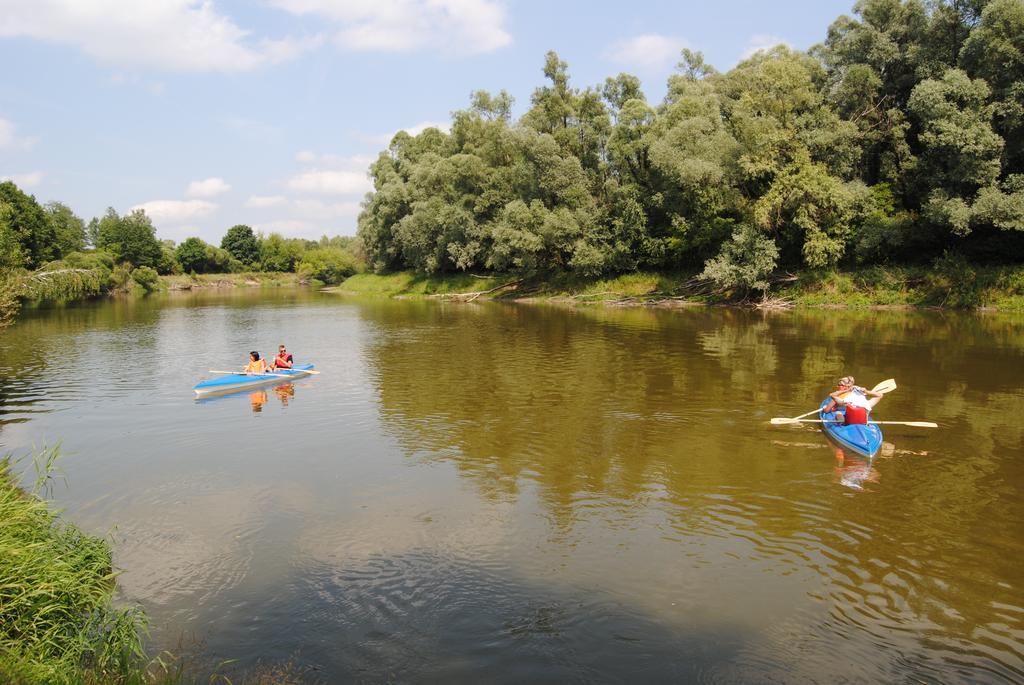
<point x="509" y="493"/>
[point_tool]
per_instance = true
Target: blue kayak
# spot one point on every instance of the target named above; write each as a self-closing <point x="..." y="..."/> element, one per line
<point x="863" y="439"/>
<point x="233" y="382"/>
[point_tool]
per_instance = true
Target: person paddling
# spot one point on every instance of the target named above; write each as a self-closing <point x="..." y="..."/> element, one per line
<point x="256" y="365"/>
<point x="283" y="360"/>
<point x="854" y="400"/>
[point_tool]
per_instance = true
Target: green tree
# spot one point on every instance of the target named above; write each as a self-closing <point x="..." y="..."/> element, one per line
<point x="11" y="256"/>
<point x="130" y="238"/>
<point x="280" y="254"/>
<point x="994" y="51"/>
<point x="30" y="226"/>
<point x="330" y="265"/>
<point x="68" y="228"/>
<point x="241" y="243"/>
<point x="191" y="254"/>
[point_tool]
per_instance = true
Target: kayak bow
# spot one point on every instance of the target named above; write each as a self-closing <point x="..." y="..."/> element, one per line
<point x="239" y="381"/>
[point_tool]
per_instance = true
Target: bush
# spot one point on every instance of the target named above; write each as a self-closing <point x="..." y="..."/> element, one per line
<point x="146" y="277"/>
<point x="744" y="262"/>
<point x="328" y="264"/>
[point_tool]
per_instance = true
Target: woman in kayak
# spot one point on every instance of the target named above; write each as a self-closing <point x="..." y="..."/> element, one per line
<point x="256" y="365"/>
<point x="855" y="401"/>
<point x="283" y="360"/>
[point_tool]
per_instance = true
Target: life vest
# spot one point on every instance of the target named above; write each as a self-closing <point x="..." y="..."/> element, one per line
<point x="855" y="414"/>
<point x="258" y="366"/>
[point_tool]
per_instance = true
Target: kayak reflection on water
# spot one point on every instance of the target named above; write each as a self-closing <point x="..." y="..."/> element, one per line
<point x="853" y="470"/>
<point x="284" y="393"/>
<point x="257" y="400"/>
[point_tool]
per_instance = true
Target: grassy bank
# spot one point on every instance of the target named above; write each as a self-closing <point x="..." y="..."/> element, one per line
<point x="408" y="283"/>
<point x="950" y="283"/>
<point x="58" y="623"/>
<point x="251" y="279"/>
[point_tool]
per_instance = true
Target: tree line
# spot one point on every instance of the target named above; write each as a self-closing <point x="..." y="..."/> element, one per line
<point x="899" y="139"/>
<point x="47" y="252"/>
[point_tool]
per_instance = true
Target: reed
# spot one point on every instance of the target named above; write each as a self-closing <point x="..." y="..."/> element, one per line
<point x="58" y="622"/>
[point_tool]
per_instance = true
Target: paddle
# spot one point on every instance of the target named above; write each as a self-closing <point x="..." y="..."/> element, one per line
<point x="919" y="424"/>
<point x="267" y="373"/>
<point x="885" y="386"/>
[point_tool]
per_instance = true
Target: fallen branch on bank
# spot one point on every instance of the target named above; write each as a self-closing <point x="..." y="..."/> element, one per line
<point x="469" y="297"/>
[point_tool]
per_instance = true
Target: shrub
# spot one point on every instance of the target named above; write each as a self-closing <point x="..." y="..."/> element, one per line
<point x="328" y="264"/>
<point x="744" y="262"/>
<point x="146" y="277"/>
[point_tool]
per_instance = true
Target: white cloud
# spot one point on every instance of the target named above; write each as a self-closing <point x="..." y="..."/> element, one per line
<point x="384" y="139"/>
<point x="29" y="180"/>
<point x="289" y="228"/>
<point x="210" y="187"/>
<point x="452" y="26"/>
<point x="761" y="41"/>
<point x="315" y="209"/>
<point x="649" y="50"/>
<point x="176" y="35"/>
<point x="353" y="162"/>
<point x="264" y="201"/>
<point x="176" y="211"/>
<point x="9" y="140"/>
<point x="330" y="182"/>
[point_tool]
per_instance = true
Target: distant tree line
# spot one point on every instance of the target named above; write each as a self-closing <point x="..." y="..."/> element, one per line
<point x="49" y="253"/>
<point x="898" y="139"/>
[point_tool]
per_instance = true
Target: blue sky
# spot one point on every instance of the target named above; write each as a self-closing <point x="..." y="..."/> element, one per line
<point x="213" y="113"/>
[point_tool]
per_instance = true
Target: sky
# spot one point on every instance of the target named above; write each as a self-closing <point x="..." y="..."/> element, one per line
<point x="211" y="113"/>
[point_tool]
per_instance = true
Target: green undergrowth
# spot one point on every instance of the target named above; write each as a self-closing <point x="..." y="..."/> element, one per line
<point x="58" y="621"/>
<point x="239" y="280"/>
<point x="950" y="282"/>
<point x="408" y="283"/>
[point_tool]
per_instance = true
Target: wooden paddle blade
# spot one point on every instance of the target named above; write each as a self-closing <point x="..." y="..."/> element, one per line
<point x="885" y="386"/>
<point x="780" y="420"/>
<point x="918" y="424"/>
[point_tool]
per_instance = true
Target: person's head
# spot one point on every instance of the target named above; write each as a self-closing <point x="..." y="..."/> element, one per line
<point x="280" y="349"/>
<point x="254" y="355"/>
<point x="846" y="382"/>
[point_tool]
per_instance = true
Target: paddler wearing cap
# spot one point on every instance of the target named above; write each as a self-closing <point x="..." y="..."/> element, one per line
<point x="854" y="400"/>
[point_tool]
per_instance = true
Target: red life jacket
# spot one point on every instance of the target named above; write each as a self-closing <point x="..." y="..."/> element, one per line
<point x="855" y="415"/>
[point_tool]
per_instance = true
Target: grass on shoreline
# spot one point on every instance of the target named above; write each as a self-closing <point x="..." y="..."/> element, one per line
<point x="58" y="622"/>
<point x="249" y="279"/>
<point x="952" y="283"/>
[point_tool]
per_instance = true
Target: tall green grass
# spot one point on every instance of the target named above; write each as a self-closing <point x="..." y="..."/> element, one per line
<point x="58" y="622"/>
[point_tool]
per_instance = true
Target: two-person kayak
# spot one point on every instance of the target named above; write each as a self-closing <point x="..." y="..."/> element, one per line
<point x="232" y="382"/>
<point x="862" y="438"/>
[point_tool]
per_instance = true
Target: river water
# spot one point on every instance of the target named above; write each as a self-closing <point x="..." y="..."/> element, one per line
<point x="500" y="493"/>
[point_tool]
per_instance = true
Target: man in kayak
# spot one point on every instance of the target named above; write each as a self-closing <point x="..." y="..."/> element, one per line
<point x="256" y="365"/>
<point x="855" y="401"/>
<point x="283" y="360"/>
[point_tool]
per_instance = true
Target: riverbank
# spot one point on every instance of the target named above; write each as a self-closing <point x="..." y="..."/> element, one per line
<point x="58" y="622"/>
<point x="249" y="279"/>
<point x="951" y="284"/>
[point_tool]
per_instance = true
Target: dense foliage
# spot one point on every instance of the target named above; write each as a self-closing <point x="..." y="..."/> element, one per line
<point x="241" y="243"/>
<point x="898" y="139"/>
